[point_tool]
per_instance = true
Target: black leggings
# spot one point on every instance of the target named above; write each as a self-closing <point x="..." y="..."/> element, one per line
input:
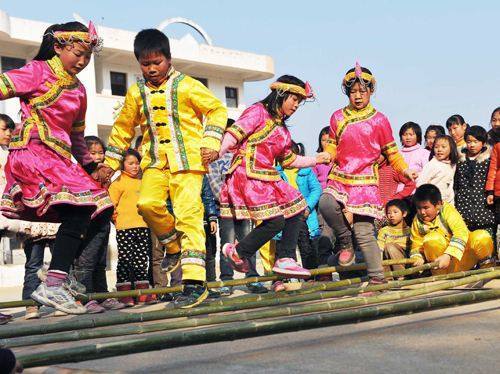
<point x="71" y="237"/>
<point x="267" y="230"/>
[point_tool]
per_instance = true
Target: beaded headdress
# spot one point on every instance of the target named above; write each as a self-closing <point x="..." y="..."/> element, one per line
<point x="282" y="88"/>
<point x="90" y="38"/>
<point x="358" y="75"/>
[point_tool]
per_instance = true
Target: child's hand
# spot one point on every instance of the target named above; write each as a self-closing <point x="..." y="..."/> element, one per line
<point x="213" y="227"/>
<point x="419" y="261"/>
<point x="490" y="199"/>
<point x="208" y="156"/>
<point x="443" y="261"/>
<point x="103" y="174"/>
<point x="410" y="174"/>
<point x="307" y="212"/>
<point x="349" y="217"/>
<point x="323" y="158"/>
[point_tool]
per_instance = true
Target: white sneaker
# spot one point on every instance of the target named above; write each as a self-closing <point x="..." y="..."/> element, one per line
<point x="57" y="297"/>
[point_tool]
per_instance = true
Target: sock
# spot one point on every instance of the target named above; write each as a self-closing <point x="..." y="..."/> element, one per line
<point x="55" y="278"/>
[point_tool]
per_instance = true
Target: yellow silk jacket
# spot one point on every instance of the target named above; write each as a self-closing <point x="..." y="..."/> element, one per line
<point x="448" y="223"/>
<point x="176" y="119"/>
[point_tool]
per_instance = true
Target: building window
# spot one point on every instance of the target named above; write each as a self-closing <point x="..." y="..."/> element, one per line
<point x="9" y="63"/>
<point x="118" y="83"/>
<point x="202" y="80"/>
<point x="231" y="97"/>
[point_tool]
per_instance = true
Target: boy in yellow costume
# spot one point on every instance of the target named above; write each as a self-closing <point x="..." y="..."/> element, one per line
<point x="171" y="109"/>
<point x="439" y="233"/>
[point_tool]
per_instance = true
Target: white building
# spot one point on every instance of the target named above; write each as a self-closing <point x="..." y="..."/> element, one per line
<point x="109" y="74"/>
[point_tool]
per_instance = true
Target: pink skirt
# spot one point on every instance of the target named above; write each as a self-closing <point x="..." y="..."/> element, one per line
<point x="361" y="200"/>
<point x="38" y="179"/>
<point x="245" y="198"/>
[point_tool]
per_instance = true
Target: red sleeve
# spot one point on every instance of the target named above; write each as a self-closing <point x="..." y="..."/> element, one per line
<point x="492" y="171"/>
<point x="247" y="123"/>
<point x="409" y="186"/>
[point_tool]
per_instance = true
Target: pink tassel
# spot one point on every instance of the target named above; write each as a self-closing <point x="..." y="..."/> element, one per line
<point x="309" y="91"/>
<point x="357" y="70"/>
<point x="93" y="32"/>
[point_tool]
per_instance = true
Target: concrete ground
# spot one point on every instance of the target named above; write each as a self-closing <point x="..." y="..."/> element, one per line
<point x="463" y="339"/>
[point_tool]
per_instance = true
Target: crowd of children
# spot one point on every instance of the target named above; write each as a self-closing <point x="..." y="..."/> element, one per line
<point x="195" y="174"/>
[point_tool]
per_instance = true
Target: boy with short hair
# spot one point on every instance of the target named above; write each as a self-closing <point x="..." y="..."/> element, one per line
<point x="394" y="239"/>
<point x="439" y="233"/>
<point x="182" y="125"/>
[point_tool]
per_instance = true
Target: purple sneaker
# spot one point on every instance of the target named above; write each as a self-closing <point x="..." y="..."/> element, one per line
<point x="93" y="307"/>
<point x="238" y="264"/>
<point x="288" y="266"/>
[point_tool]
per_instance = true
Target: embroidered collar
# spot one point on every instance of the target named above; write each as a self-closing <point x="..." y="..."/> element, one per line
<point x="57" y="68"/>
<point x="362" y="113"/>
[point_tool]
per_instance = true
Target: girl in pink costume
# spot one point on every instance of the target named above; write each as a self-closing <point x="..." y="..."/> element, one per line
<point x="44" y="183"/>
<point x="359" y="134"/>
<point x="254" y="189"/>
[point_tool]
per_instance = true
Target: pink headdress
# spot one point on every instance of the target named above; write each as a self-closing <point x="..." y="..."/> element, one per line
<point x="90" y="38"/>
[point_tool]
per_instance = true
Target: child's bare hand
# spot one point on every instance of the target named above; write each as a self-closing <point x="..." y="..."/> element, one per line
<point x="349" y="217"/>
<point x="323" y="158"/>
<point x="410" y="174"/>
<point x="490" y="199"/>
<point x="208" y="156"/>
<point x="419" y="261"/>
<point x="103" y="174"/>
<point x="443" y="261"/>
<point x="213" y="227"/>
<point x="307" y="212"/>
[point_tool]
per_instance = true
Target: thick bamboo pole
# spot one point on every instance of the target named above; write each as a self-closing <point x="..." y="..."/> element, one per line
<point x="110" y="319"/>
<point x="169" y="325"/>
<point x="245" y="329"/>
<point x="217" y="284"/>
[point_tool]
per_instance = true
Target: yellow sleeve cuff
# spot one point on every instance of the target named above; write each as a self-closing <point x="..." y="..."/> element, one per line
<point x="454" y="252"/>
<point x="211" y="143"/>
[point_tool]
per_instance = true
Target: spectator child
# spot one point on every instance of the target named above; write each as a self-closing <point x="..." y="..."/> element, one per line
<point x="440" y="170"/>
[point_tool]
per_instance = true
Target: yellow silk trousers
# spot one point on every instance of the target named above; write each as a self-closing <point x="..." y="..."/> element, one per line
<point x="183" y="232"/>
<point x="479" y="247"/>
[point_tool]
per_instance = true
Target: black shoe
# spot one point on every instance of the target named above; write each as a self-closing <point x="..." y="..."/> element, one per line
<point x="167" y="297"/>
<point x="213" y="294"/>
<point x="257" y="287"/>
<point x="170" y="262"/>
<point x="191" y="296"/>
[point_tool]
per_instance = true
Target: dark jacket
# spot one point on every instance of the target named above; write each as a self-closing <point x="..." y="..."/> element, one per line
<point x="470" y="196"/>
<point x="208" y="199"/>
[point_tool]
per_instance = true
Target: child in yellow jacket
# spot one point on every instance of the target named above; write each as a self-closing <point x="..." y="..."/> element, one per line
<point x="439" y="233"/>
<point x="132" y="233"/>
<point x="182" y="124"/>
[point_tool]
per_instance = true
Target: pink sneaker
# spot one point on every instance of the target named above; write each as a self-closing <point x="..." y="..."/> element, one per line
<point x="288" y="266"/>
<point x="238" y="264"/>
<point x="346" y="257"/>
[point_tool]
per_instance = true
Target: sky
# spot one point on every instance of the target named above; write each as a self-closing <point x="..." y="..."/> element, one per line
<point x="431" y="59"/>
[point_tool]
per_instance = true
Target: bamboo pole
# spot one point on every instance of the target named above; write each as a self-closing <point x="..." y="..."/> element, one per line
<point x="169" y="325"/>
<point x="246" y="329"/>
<point x="83" y="322"/>
<point x="216" y="284"/>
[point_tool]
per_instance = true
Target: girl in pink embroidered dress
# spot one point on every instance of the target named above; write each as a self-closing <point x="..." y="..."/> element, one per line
<point x="254" y="189"/>
<point x="359" y="134"/>
<point x="43" y="182"/>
